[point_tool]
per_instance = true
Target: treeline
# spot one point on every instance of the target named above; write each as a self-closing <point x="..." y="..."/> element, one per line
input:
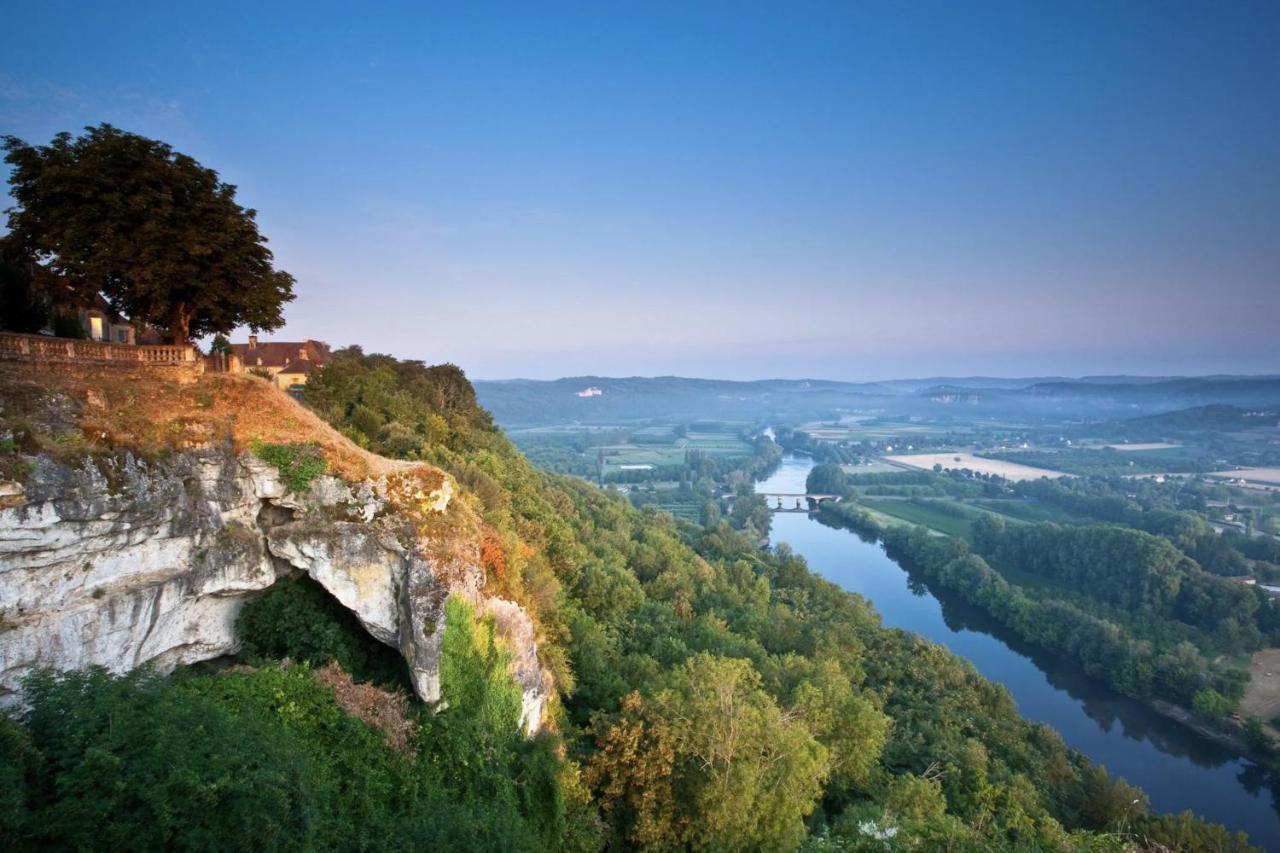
<point x="912" y="484"/>
<point x="712" y="695"/>
<point x="1135" y="657"/>
<point x="796" y="440"/>
<point x="397" y="408"/>
<point x="1100" y="499"/>
<point x="1135" y="571"/>
<point x="836" y="730"/>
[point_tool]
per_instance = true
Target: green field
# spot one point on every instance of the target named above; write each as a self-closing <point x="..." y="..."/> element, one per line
<point x="1030" y="512"/>
<point x="873" y="467"/>
<point x="573" y="446"/>
<point x="644" y="448"/>
<point x="928" y="516"/>
<point x="878" y="431"/>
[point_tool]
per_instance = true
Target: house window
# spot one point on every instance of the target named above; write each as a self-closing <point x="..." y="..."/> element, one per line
<point x="122" y="336"/>
<point x="95" y="328"/>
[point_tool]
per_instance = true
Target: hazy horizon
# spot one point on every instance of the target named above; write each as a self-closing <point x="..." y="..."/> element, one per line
<point x="723" y="190"/>
<point x="1016" y="377"/>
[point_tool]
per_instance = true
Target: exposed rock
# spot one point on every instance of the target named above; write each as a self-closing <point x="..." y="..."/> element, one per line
<point x="122" y="562"/>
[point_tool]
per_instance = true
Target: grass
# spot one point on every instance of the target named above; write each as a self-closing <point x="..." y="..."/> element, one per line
<point x="1031" y="512"/>
<point x="928" y="516"/>
<point x="299" y="464"/>
<point x="101" y="409"/>
<point x="723" y="445"/>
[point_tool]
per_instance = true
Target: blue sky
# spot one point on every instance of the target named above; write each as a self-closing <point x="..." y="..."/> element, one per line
<point x="844" y="190"/>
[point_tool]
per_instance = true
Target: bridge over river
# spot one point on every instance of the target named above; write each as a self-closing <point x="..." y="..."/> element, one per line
<point x="810" y="500"/>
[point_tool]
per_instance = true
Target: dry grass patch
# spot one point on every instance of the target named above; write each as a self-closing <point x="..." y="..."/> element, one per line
<point x="954" y="461"/>
<point x="150" y="413"/>
<point x="1262" y="693"/>
<point x="385" y="710"/>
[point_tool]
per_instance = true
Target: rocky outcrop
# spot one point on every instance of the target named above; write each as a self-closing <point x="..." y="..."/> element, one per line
<point x="120" y="561"/>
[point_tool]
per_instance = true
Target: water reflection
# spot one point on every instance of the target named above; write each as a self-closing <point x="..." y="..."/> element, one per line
<point x="1178" y="768"/>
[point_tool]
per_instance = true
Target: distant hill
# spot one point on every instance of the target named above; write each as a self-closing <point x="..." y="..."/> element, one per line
<point x="601" y="399"/>
<point x="1183" y="392"/>
<point x="528" y="402"/>
<point x="1217" y="418"/>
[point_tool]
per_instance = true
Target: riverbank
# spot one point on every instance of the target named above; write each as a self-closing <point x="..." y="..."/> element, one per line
<point x="863" y="522"/>
<point x="1178" y="766"/>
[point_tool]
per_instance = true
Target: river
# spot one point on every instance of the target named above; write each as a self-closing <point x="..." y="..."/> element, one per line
<point x="1178" y="768"/>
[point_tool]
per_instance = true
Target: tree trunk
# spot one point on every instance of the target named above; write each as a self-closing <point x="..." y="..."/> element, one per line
<point x="179" y="324"/>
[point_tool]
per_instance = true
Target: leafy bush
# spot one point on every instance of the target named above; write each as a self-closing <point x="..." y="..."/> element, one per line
<point x="133" y="763"/>
<point x="258" y="759"/>
<point x="299" y="464"/>
<point x="299" y="620"/>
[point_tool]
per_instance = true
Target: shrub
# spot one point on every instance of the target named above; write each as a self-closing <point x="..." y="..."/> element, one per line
<point x="298" y="619"/>
<point x="299" y="464"/>
<point x="130" y="763"/>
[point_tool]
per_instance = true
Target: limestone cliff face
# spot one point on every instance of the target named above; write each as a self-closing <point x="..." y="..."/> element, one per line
<point x="119" y="562"/>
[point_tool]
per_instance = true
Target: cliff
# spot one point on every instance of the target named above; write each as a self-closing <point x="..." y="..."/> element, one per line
<point x="135" y="521"/>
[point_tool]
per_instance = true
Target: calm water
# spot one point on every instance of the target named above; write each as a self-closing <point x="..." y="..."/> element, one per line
<point x="1176" y="767"/>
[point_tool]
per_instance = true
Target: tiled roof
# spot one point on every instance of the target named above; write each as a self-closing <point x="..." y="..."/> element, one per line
<point x="296" y="356"/>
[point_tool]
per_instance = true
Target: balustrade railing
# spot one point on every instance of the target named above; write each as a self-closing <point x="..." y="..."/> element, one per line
<point x="43" y="348"/>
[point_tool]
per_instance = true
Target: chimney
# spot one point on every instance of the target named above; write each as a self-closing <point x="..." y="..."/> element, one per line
<point x="253" y="342"/>
<point x="302" y="353"/>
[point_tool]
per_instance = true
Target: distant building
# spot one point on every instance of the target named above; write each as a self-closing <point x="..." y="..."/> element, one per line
<point x="590" y="392"/>
<point x="289" y="363"/>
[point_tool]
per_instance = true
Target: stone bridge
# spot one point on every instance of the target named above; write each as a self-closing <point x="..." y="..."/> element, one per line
<point x="810" y="500"/>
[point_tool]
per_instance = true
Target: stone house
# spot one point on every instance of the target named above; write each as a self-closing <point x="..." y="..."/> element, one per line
<point x="289" y="363"/>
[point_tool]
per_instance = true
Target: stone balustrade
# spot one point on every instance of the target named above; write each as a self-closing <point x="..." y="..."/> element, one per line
<point x="41" y="348"/>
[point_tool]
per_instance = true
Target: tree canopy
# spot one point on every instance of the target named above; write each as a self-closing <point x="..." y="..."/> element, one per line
<point x="160" y="236"/>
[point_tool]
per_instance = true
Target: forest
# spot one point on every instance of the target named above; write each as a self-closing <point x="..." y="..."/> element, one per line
<point x="1126" y="605"/>
<point x="712" y="695"/>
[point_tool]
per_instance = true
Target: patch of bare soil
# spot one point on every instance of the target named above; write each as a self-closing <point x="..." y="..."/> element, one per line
<point x="1262" y="693"/>
<point x="385" y="710"/>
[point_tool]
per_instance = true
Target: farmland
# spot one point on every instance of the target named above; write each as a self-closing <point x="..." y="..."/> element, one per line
<point x="1150" y="445"/>
<point x="949" y="517"/>
<point x="1268" y="476"/>
<point x="952" y="461"/>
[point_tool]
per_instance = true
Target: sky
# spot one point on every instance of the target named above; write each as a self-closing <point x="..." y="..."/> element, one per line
<point x="738" y="190"/>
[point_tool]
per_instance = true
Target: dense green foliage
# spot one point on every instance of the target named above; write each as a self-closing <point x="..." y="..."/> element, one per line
<point x="298" y="620"/>
<point x="713" y="694"/>
<point x="1119" y="618"/>
<point x="1108" y="499"/>
<point x="397" y="408"/>
<point x="156" y="233"/>
<point x="299" y="464"/>
<point x="827" y="478"/>
<point x="265" y="759"/>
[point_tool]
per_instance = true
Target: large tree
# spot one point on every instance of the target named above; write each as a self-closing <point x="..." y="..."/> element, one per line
<point x="156" y="233"/>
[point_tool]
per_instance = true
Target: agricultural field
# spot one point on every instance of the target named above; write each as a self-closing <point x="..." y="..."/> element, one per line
<point x="875" y="466"/>
<point x="581" y="450"/>
<point x="667" y="497"/>
<point x="1032" y="512"/>
<point x="1009" y="470"/>
<point x="1151" y="445"/>
<point x="872" y="431"/>
<point x="949" y="517"/>
<point x="1268" y="476"/>
<point x="662" y="448"/>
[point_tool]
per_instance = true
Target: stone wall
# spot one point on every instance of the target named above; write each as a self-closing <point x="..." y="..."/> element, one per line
<point x="44" y="349"/>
